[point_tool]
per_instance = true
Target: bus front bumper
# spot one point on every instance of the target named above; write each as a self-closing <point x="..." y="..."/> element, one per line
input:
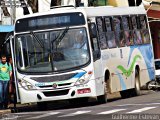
<point x="31" y="96"/>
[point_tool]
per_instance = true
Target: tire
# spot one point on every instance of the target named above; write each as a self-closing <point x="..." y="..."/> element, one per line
<point x="41" y="105"/>
<point x="103" y="98"/>
<point x="137" y="90"/>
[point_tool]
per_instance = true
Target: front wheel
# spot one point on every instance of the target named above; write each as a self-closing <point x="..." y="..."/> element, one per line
<point x="103" y="98"/>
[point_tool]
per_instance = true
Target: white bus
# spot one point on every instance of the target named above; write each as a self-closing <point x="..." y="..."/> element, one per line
<point x="78" y="53"/>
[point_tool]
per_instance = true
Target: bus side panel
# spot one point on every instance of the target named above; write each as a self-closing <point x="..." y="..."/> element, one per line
<point x="145" y="62"/>
<point x="109" y="60"/>
<point x="122" y="63"/>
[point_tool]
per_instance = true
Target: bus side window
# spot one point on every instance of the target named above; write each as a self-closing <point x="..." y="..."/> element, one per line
<point x="128" y="33"/>
<point x="119" y="34"/>
<point x="101" y="33"/>
<point x="144" y="29"/>
<point x="111" y="41"/>
<point x="135" y="29"/>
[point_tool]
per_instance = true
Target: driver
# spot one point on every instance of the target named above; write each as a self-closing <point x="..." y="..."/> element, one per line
<point x="80" y="41"/>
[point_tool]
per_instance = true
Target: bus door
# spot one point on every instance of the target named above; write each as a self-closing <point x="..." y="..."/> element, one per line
<point x="14" y="67"/>
<point x="97" y="63"/>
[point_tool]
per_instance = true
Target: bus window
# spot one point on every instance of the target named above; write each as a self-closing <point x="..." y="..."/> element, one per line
<point x="119" y="34"/>
<point x="100" y="24"/>
<point x="102" y="38"/>
<point x="111" y="41"/>
<point x="136" y="32"/>
<point x="101" y="33"/>
<point x="145" y="36"/>
<point x="144" y="29"/>
<point x="129" y="37"/>
<point x="142" y="20"/>
<point x="108" y="24"/>
<point x="134" y="22"/>
<point x="127" y="30"/>
<point x="137" y="37"/>
<point x="125" y="21"/>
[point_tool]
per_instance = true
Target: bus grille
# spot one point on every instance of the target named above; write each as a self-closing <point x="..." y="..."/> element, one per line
<point x="59" y="85"/>
<point x="56" y="93"/>
<point x="54" y="78"/>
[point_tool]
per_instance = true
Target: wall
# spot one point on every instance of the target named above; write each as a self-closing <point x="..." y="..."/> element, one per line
<point x="155" y="31"/>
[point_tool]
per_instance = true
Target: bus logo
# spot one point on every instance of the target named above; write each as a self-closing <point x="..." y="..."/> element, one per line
<point x="54" y="85"/>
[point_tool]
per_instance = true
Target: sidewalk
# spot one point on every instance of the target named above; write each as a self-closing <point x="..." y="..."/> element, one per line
<point x="18" y="107"/>
<point x="5" y="111"/>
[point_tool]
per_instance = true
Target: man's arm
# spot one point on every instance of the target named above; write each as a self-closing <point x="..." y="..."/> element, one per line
<point x="10" y="70"/>
<point x="10" y="74"/>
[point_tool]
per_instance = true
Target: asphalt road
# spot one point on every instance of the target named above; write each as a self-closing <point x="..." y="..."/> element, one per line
<point x="144" y="107"/>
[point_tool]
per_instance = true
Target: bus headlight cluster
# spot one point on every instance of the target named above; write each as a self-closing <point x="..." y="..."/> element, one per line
<point x="84" y="79"/>
<point x="26" y="85"/>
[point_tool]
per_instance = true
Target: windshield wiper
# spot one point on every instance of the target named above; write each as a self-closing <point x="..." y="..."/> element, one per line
<point x="37" y="39"/>
<point x="59" y="38"/>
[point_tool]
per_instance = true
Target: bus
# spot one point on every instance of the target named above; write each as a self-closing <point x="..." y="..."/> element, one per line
<point x="114" y="54"/>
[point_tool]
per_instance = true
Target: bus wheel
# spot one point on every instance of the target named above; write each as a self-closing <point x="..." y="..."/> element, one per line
<point x="103" y="98"/>
<point x="137" y="90"/>
<point x="41" y="105"/>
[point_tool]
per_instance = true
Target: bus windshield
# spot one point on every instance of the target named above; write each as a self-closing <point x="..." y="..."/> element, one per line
<point x="52" y="51"/>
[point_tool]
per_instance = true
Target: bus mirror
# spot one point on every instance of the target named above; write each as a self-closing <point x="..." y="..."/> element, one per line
<point x="93" y="31"/>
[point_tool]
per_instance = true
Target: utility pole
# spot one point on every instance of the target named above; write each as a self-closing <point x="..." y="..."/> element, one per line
<point x="12" y="10"/>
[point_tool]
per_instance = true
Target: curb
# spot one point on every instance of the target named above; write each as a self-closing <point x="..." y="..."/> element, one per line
<point x="5" y="111"/>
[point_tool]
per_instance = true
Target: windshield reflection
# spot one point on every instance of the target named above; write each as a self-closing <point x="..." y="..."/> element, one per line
<point x="52" y="51"/>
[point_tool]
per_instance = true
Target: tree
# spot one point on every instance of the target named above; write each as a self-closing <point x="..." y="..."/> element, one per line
<point x="131" y="2"/>
<point x="25" y="8"/>
<point x="4" y="8"/>
<point x="55" y="3"/>
<point x="58" y="3"/>
<point x="134" y="2"/>
<point x="78" y="2"/>
<point x="33" y="4"/>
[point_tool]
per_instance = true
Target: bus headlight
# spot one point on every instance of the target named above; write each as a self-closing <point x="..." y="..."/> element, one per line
<point x="84" y="79"/>
<point x="26" y="85"/>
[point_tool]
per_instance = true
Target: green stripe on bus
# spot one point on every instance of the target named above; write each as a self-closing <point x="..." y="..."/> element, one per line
<point x="128" y="72"/>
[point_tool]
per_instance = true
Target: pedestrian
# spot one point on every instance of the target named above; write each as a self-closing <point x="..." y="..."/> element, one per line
<point x="5" y="75"/>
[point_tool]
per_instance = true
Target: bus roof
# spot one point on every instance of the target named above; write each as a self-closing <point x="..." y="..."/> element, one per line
<point x="94" y="11"/>
<point x="111" y="11"/>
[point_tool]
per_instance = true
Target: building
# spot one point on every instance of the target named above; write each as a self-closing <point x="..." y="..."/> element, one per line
<point x="154" y="22"/>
